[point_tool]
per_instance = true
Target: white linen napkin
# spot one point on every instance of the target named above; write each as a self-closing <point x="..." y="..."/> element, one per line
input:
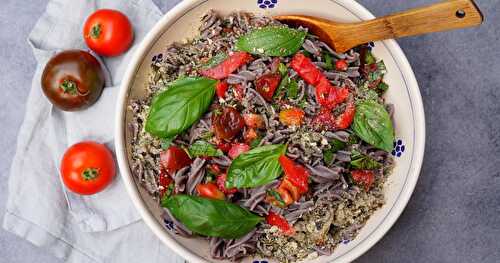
<point x="100" y="228"/>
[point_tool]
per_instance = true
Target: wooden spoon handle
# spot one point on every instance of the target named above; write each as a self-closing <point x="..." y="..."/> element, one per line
<point x="442" y="16"/>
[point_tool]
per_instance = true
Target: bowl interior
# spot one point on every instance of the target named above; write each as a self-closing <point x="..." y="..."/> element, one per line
<point x="182" y="23"/>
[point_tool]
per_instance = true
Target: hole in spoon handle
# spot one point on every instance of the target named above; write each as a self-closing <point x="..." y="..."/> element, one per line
<point x="460" y="13"/>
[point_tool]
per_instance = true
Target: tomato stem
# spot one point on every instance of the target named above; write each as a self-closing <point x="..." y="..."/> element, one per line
<point x="90" y="174"/>
<point x="95" y="32"/>
<point x="69" y="86"/>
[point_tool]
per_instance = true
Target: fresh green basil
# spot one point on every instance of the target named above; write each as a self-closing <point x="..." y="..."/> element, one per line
<point x="382" y="87"/>
<point x="203" y="148"/>
<point x="283" y="70"/>
<point x="364" y="162"/>
<point x="166" y="142"/>
<point x="337" y="145"/>
<point x="255" y="142"/>
<point x="373" y="125"/>
<point x="214" y="218"/>
<point x="293" y="89"/>
<point x="328" y="61"/>
<point x="378" y="73"/>
<point x="215" y="60"/>
<point x="328" y="156"/>
<point x="369" y="58"/>
<point x="177" y="108"/>
<point x="256" y="167"/>
<point x="272" y="41"/>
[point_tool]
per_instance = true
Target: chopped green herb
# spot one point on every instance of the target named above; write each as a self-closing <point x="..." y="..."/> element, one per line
<point x="382" y="87"/>
<point x="328" y="156"/>
<point x="283" y="70"/>
<point x="353" y="139"/>
<point x="255" y="142"/>
<point x="293" y="89"/>
<point x="203" y="148"/>
<point x="170" y="190"/>
<point x="306" y="53"/>
<point x="280" y="91"/>
<point x="276" y="196"/>
<point x="328" y="61"/>
<point x="337" y="145"/>
<point x="369" y="58"/>
<point x="362" y="161"/>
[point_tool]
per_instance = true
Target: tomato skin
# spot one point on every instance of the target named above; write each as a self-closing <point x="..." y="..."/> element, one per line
<point x="295" y="173"/>
<point x="292" y="117"/>
<point x="344" y="120"/>
<point x="108" y="32"/>
<point x="306" y="69"/>
<point x="210" y="190"/>
<point x="237" y="149"/>
<point x="267" y="84"/>
<point x="81" y="157"/>
<point x="324" y="120"/>
<point x="279" y="221"/>
<point x="173" y="159"/>
<point x="79" y="69"/>
<point x="341" y="65"/>
<point x="221" y="184"/>
<point x="253" y="120"/>
<point x="364" y="178"/>
<point x="224" y="146"/>
<point x="228" y="66"/>
<point x="249" y="135"/>
<point x="228" y="123"/>
<point x="221" y="88"/>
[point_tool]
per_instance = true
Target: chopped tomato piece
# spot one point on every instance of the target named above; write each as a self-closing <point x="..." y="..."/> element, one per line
<point x="344" y="120"/>
<point x="214" y="168"/>
<point x="221" y="183"/>
<point x="173" y="159"/>
<point x="295" y="173"/>
<point x="341" y="65"/>
<point x="227" y="123"/>
<point x="224" y="146"/>
<point x="327" y="95"/>
<point x="239" y="92"/>
<point x="279" y="221"/>
<point x="164" y="180"/>
<point x="293" y="190"/>
<point x="249" y="135"/>
<point x="363" y="177"/>
<point x="210" y="190"/>
<point x="228" y="66"/>
<point x="253" y="120"/>
<point x="237" y="149"/>
<point x="292" y="117"/>
<point x="324" y="120"/>
<point x="267" y="84"/>
<point x="221" y="88"/>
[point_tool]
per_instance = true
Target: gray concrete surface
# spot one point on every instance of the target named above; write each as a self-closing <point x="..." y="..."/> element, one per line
<point x="454" y="214"/>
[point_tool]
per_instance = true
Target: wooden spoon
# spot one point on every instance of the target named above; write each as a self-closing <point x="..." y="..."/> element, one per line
<point x="442" y="16"/>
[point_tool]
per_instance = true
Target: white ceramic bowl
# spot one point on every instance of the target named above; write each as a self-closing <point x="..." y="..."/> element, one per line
<point x="182" y="22"/>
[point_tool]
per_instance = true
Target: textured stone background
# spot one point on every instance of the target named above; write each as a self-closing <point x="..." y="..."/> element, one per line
<point x="454" y="214"/>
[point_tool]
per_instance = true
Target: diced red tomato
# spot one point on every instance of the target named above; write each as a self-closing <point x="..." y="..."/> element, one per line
<point x="164" y="180"/>
<point x="364" y="178"/>
<point x="292" y="117"/>
<point x="249" y="135"/>
<point x="173" y="159"/>
<point x="214" y="168"/>
<point x="221" y="88"/>
<point x="227" y="123"/>
<point x="224" y="146"/>
<point x="228" y="66"/>
<point x="253" y="120"/>
<point x="221" y="183"/>
<point x="210" y="190"/>
<point x="239" y="92"/>
<point x="341" y="65"/>
<point x="327" y="95"/>
<point x="344" y="120"/>
<point x="279" y="221"/>
<point x="267" y="84"/>
<point x="237" y="149"/>
<point x="295" y="173"/>
<point x="324" y="120"/>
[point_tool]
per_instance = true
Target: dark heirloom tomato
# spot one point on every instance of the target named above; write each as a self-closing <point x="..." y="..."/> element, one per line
<point x="174" y="159"/>
<point x="73" y="80"/>
<point x="227" y="123"/>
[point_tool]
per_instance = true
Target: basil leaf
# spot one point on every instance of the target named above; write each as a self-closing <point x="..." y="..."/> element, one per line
<point x="255" y="143"/>
<point x="272" y="41"/>
<point x="378" y="73"/>
<point x="373" y="125"/>
<point x="365" y="93"/>
<point x="293" y="89"/>
<point x="353" y="139"/>
<point x="215" y="60"/>
<point x="256" y="167"/>
<point x="214" y="218"/>
<point x="328" y="156"/>
<point x="382" y="87"/>
<point x="166" y="142"/>
<point x="177" y="108"/>
<point x="283" y="70"/>
<point x="364" y="162"/>
<point x="280" y="91"/>
<point x="369" y="58"/>
<point x="203" y="148"/>
<point x="337" y="145"/>
<point x="328" y="61"/>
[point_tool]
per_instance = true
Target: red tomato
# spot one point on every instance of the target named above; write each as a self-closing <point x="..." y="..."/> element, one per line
<point x="279" y="221"/>
<point x="327" y="95"/>
<point x="253" y="120"/>
<point x="324" y="120"/>
<point x="239" y="92"/>
<point x="344" y="120"/>
<point x="173" y="159"/>
<point x="164" y="180"/>
<point x="210" y="190"/>
<point x="292" y="117"/>
<point x="228" y="66"/>
<point x="249" y="135"/>
<point x="228" y="123"/>
<point x="295" y="173"/>
<point x="224" y="146"/>
<point x="267" y="84"/>
<point x="237" y="149"/>
<point x="221" y="89"/>
<point x="214" y="168"/>
<point x="108" y="32"/>
<point x="363" y="177"/>
<point x="341" y="65"/>
<point x="87" y="167"/>
<point x="221" y="183"/>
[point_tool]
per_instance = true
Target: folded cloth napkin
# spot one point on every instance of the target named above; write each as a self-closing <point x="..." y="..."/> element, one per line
<point x="100" y="228"/>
